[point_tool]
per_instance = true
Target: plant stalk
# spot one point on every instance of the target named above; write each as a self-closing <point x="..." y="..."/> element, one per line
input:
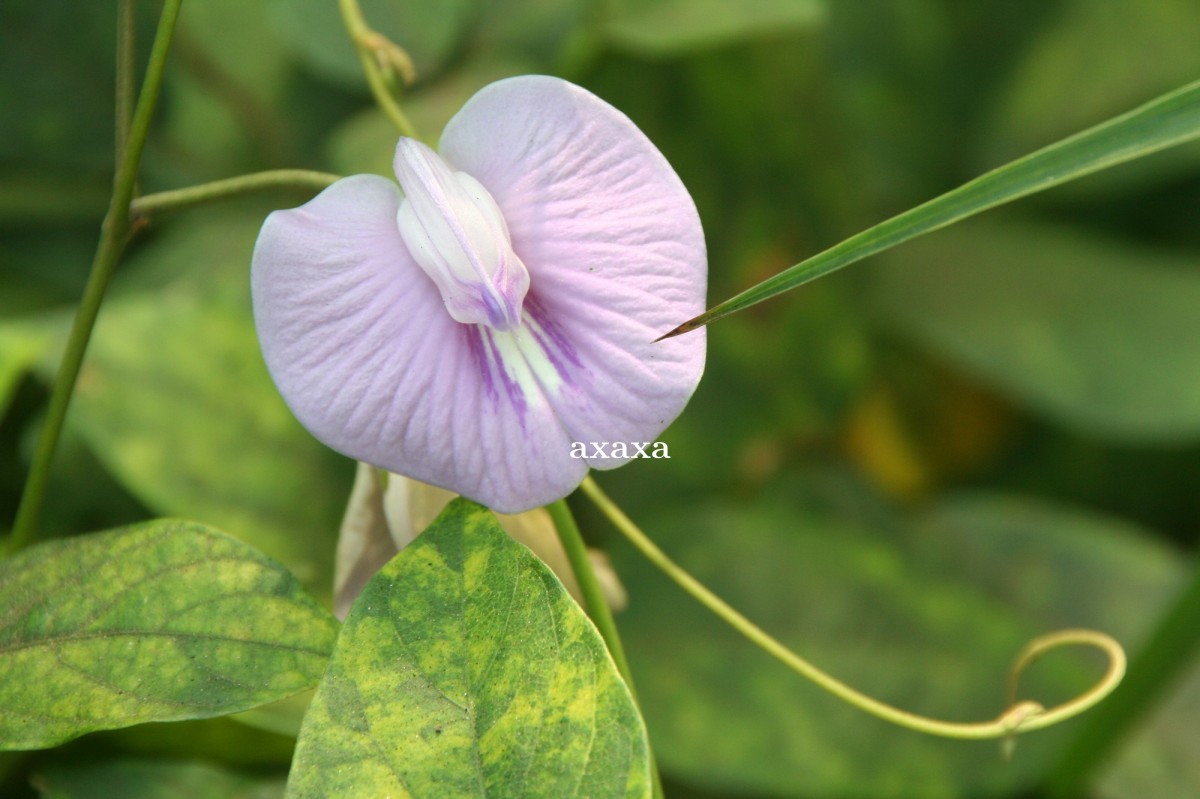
<point x="178" y="199"/>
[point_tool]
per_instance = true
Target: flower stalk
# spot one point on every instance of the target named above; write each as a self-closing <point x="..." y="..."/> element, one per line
<point x="381" y="60"/>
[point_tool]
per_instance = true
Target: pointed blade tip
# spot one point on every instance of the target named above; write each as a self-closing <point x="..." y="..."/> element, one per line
<point x="679" y="331"/>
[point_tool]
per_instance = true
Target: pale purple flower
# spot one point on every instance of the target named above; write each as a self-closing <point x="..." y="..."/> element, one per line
<point x="468" y="327"/>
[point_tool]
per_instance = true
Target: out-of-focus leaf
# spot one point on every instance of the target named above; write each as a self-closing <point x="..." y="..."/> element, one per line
<point x="1097" y="59"/>
<point x="429" y="32"/>
<point x="217" y="740"/>
<point x="47" y="239"/>
<point x="83" y="494"/>
<point x="669" y="27"/>
<point x="927" y="617"/>
<point x="161" y="621"/>
<point x="21" y="346"/>
<point x="27" y="199"/>
<point x="1100" y="336"/>
<point x="367" y="142"/>
<point x="49" y="53"/>
<point x="148" y="779"/>
<point x="1160" y="758"/>
<point x="364" y="144"/>
<point x="1163" y="122"/>
<point x="175" y="399"/>
<point x="236" y="37"/>
<point x="282" y="717"/>
<point x="228" y="79"/>
<point x="464" y="669"/>
<point x="549" y="29"/>
<point x="433" y="106"/>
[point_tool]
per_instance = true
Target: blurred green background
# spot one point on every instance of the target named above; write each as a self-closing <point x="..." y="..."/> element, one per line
<point x="905" y="470"/>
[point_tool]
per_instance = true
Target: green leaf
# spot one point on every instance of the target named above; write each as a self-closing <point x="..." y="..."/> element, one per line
<point x="149" y="779"/>
<point x="927" y="616"/>
<point x="160" y="621"/>
<point x="1164" y="122"/>
<point x="464" y="669"/>
<point x="1102" y="337"/>
<point x="174" y="398"/>
<point x="669" y="27"/>
<point x="429" y="32"/>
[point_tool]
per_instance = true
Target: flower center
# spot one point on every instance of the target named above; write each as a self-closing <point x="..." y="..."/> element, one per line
<point x="454" y="230"/>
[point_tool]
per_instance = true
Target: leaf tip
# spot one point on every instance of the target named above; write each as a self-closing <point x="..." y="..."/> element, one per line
<point x="686" y="327"/>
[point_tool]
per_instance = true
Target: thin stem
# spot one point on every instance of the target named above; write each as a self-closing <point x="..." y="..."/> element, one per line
<point x="1153" y="671"/>
<point x="177" y="199"/>
<point x="126" y="78"/>
<point x="113" y="234"/>
<point x="1018" y="717"/>
<point x="589" y="586"/>
<point x="368" y="43"/>
<point x="595" y="605"/>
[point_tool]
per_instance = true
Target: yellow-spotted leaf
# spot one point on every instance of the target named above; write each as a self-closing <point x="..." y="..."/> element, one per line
<point x="160" y="621"/>
<point x="464" y="669"/>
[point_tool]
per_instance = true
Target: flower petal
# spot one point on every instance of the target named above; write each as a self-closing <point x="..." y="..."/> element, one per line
<point x="615" y="253"/>
<point x="361" y="347"/>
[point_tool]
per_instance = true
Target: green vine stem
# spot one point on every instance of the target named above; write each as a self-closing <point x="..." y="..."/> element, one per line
<point x="596" y="606"/>
<point x="375" y="52"/>
<point x="1171" y="648"/>
<point x="126" y="56"/>
<point x="1020" y="716"/>
<point x="113" y="234"/>
<point x="177" y="199"/>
